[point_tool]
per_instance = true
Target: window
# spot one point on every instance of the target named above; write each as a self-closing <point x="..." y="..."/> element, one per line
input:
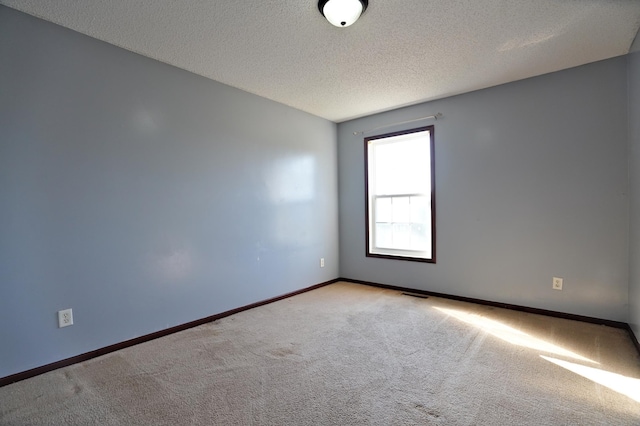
<point x="400" y="190"/>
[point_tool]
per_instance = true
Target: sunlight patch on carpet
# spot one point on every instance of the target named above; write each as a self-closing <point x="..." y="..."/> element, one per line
<point x="617" y="382"/>
<point x="512" y="335"/>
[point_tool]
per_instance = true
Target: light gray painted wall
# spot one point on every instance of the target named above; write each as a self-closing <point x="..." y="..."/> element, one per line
<point x="143" y="196"/>
<point x="634" y="190"/>
<point x="531" y="183"/>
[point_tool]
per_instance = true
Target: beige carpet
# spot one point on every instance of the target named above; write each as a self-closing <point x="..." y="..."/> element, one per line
<point x="348" y="354"/>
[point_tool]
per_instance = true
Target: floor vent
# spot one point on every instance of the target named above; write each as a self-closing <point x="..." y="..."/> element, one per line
<point x="421" y="296"/>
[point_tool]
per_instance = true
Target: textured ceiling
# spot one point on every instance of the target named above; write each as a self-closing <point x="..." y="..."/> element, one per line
<point x="398" y="53"/>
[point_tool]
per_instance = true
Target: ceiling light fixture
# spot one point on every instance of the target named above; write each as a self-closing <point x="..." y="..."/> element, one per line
<point x="342" y="13"/>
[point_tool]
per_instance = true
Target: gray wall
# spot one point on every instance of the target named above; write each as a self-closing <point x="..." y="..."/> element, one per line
<point x="143" y="196"/>
<point x="531" y="183"/>
<point x="634" y="190"/>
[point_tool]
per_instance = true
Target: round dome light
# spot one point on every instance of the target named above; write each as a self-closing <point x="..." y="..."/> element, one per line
<point x="342" y="13"/>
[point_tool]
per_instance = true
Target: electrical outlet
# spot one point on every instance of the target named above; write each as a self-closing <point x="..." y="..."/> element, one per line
<point x="557" y="283"/>
<point x="322" y="262"/>
<point x="65" y="318"/>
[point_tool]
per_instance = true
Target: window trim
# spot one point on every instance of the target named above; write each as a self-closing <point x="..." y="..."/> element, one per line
<point x="403" y="256"/>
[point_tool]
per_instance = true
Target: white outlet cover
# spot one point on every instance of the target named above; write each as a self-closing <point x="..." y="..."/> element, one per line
<point x="65" y="318"/>
<point x="557" y="283"/>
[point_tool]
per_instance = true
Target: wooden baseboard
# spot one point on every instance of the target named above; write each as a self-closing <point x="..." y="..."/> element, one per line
<point x="118" y="346"/>
<point x="634" y="338"/>
<point x="600" y="321"/>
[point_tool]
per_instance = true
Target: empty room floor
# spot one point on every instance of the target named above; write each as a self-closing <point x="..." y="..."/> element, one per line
<point x="350" y="354"/>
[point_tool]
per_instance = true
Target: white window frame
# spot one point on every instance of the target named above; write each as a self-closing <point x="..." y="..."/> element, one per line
<point x="379" y="250"/>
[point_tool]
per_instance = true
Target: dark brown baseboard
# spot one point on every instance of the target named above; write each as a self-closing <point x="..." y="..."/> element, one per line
<point x="634" y="338"/>
<point x="610" y="323"/>
<point x="118" y="346"/>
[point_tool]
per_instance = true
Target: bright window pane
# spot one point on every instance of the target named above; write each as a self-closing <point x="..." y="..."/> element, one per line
<point x="401" y="235"/>
<point x="400" y="166"/>
<point x="420" y="209"/>
<point x="384" y="235"/>
<point x="420" y="237"/>
<point x="401" y="209"/>
<point x="383" y="210"/>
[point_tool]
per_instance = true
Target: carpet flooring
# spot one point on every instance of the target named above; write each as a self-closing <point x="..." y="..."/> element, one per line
<point x="348" y="354"/>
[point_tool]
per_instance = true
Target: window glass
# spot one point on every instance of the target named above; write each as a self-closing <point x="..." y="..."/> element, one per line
<point x="400" y="195"/>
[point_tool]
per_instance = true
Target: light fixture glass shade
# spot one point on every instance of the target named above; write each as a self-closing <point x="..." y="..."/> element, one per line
<point x="342" y="13"/>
